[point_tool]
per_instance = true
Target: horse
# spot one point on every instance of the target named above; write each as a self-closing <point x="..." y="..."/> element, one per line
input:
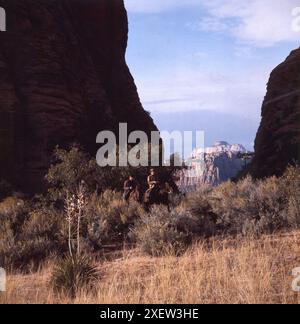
<point x="158" y="195"/>
<point x="135" y="196"/>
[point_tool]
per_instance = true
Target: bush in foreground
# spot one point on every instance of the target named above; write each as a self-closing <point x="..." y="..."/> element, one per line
<point x="110" y="218"/>
<point x="72" y="274"/>
<point x="29" y="234"/>
<point x="163" y="233"/>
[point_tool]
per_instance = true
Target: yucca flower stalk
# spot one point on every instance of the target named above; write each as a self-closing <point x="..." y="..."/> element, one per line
<point x="74" y="207"/>
<point x="81" y="204"/>
<point x="70" y="209"/>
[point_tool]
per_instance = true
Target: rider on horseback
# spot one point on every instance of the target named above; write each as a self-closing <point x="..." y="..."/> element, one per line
<point x="153" y="180"/>
<point x="130" y="186"/>
<point x="153" y="183"/>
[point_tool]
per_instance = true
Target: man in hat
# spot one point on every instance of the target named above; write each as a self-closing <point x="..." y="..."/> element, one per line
<point x="130" y="186"/>
<point x="152" y="180"/>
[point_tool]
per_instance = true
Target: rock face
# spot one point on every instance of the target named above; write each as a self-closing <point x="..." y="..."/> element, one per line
<point x="213" y="165"/>
<point x="278" y="138"/>
<point x="63" y="78"/>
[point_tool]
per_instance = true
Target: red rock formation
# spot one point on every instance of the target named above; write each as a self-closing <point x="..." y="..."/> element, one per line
<point x="63" y="78"/>
<point x="278" y="138"/>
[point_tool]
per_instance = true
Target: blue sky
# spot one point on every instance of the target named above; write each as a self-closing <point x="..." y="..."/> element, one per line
<point x="204" y="64"/>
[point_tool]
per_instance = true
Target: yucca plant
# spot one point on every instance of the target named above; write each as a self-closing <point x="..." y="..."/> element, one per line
<point x="74" y="208"/>
<point x="73" y="273"/>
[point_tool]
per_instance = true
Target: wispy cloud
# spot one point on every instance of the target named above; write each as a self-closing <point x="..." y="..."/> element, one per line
<point x="188" y="90"/>
<point x="260" y="23"/>
<point x="180" y="66"/>
<point x="209" y="24"/>
<point x="245" y="52"/>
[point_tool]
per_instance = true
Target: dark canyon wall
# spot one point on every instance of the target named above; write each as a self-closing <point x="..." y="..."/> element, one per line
<point x="63" y="78"/>
<point x="278" y="139"/>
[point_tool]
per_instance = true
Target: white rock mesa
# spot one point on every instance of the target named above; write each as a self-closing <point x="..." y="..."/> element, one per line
<point x="213" y="165"/>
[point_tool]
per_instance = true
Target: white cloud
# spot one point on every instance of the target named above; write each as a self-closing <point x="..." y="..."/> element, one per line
<point x="239" y="93"/>
<point x="245" y="52"/>
<point x="261" y="23"/>
<point x="209" y="24"/>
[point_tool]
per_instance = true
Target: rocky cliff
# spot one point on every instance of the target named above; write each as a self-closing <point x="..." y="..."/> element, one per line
<point x="213" y="165"/>
<point x="278" y="138"/>
<point x="63" y="78"/>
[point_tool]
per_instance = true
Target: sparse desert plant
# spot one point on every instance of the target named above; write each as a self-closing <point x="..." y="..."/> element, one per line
<point x="199" y="206"/>
<point x="110" y="218"/>
<point x="163" y="233"/>
<point x="25" y="255"/>
<point x="229" y="201"/>
<point x="70" y="169"/>
<point x="73" y="166"/>
<point x="291" y="185"/>
<point x="245" y="207"/>
<point x="7" y="240"/>
<point x="218" y="271"/>
<point x="271" y="206"/>
<point x="15" y="211"/>
<point x="48" y="223"/>
<point x="248" y="205"/>
<point x="73" y="273"/>
<point x="75" y="205"/>
<point x="29" y="234"/>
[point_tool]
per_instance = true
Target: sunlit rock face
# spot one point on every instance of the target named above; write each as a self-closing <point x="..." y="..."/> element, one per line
<point x="63" y="79"/>
<point x="277" y="142"/>
<point x="213" y="165"/>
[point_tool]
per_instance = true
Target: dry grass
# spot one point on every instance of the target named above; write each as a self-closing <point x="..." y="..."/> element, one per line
<point x="221" y="271"/>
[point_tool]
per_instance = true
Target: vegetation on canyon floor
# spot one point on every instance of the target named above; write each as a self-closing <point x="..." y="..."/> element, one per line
<point x="69" y="232"/>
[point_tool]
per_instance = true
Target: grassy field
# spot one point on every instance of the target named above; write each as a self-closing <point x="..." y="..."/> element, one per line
<point x="218" y="271"/>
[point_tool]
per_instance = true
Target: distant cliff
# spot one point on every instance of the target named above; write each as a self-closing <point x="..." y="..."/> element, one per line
<point x="278" y="139"/>
<point x="63" y="78"/>
<point x="213" y="165"/>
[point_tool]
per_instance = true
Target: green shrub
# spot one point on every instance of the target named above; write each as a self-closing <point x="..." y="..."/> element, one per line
<point x="110" y="218"/>
<point x="25" y="255"/>
<point x="199" y="206"/>
<point x="15" y="211"/>
<point x="162" y="233"/>
<point x="29" y="237"/>
<point x="70" y="169"/>
<point x="250" y="206"/>
<point x="75" y="166"/>
<point x="45" y="223"/>
<point x="291" y="185"/>
<point x="245" y="207"/>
